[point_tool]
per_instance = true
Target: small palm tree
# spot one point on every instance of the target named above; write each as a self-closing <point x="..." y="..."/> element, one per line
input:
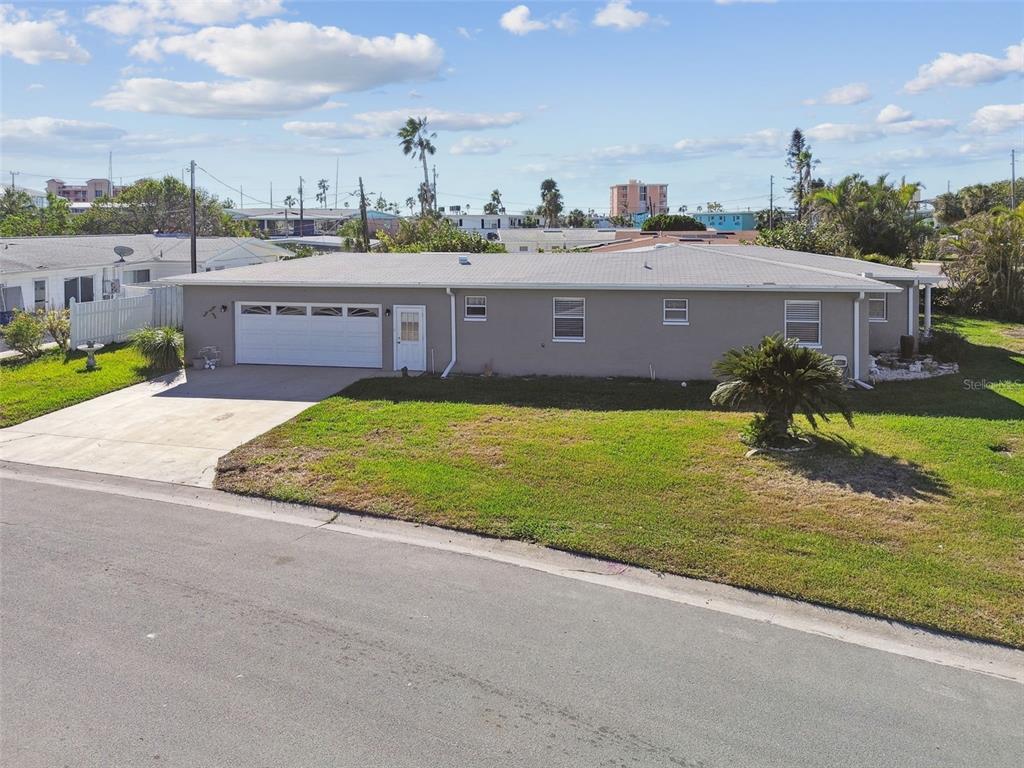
<point x="417" y="142"/>
<point x="289" y="201"/>
<point x="780" y="379"/>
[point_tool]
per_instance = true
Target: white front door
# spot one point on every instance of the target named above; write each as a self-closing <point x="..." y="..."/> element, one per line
<point x="410" y="337"/>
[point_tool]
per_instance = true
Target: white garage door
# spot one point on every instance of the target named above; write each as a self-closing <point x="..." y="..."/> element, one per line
<point x="290" y="333"/>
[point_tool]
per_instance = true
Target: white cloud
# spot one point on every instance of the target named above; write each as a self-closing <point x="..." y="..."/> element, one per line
<point x="34" y="41"/>
<point x="479" y="145"/>
<point x="618" y="14"/>
<point x="967" y="69"/>
<point x="307" y="55"/>
<point x="57" y="128"/>
<point x="34" y="87"/>
<point x="333" y="104"/>
<point x="466" y="33"/>
<point x="519" y="21"/>
<point x="415" y="95"/>
<point x="892" y="113"/>
<point x="128" y="17"/>
<point x="855" y="132"/>
<point x="758" y="142"/>
<point x="745" y="2"/>
<point x="375" y="125"/>
<point x="845" y="95"/>
<point x="238" y="99"/>
<point x="997" y="118"/>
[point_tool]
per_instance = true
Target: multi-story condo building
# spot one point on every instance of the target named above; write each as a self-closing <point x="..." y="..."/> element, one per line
<point x="92" y="190"/>
<point x="636" y="197"/>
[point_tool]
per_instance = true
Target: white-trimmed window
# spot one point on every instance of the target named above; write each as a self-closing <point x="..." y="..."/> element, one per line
<point x="569" y="319"/>
<point x="878" y="307"/>
<point x="803" y="322"/>
<point x="675" y="311"/>
<point x="476" y="308"/>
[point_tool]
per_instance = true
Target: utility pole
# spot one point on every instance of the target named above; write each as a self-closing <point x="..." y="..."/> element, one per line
<point x="337" y="178"/>
<point x="433" y="192"/>
<point x="771" y="202"/>
<point x="241" y="197"/>
<point x="271" y="194"/>
<point x="110" y="174"/>
<point x="1013" y="178"/>
<point x="301" y="209"/>
<point x="192" y="239"/>
<point x="13" y="174"/>
<point x="362" y="217"/>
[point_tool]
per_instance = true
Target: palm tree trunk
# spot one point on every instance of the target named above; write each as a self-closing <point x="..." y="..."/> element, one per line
<point x="427" y="192"/>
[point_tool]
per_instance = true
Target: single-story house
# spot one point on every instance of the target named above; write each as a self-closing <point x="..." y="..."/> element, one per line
<point x="666" y="312"/>
<point x="535" y="239"/>
<point x="50" y="271"/>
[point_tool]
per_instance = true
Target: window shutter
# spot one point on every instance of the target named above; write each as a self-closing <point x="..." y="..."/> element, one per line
<point x="569" y="318"/>
<point x="803" y="321"/>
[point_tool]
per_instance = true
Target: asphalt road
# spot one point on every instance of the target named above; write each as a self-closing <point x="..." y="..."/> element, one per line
<point x="143" y="633"/>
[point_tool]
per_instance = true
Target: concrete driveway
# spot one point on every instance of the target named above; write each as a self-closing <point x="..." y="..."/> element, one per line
<point x="174" y="428"/>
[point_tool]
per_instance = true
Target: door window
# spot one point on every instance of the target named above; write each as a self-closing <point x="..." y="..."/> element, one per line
<point x="39" y="287"/>
<point x="410" y="326"/>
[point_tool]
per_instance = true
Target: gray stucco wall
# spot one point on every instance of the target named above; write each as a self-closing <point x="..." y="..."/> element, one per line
<point x="624" y="330"/>
<point x="885" y="336"/>
<point x="220" y="331"/>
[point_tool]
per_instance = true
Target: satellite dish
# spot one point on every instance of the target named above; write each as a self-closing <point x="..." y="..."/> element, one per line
<point x="123" y="250"/>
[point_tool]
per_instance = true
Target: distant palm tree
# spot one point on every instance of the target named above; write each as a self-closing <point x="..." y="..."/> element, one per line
<point x="410" y="203"/>
<point x="780" y="378"/>
<point x="289" y="201"/>
<point x="321" y="195"/>
<point x="550" y="202"/>
<point x="417" y="142"/>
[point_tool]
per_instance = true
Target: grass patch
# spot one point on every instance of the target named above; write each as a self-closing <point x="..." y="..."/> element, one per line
<point x="912" y="515"/>
<point x="51" y="382"/>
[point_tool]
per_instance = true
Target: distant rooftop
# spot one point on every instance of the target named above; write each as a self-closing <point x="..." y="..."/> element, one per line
<point x="30" y="254"/>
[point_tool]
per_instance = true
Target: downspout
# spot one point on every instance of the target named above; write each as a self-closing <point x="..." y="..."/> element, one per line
<point x="451" y="364"/>
<point x="856" y="336"/>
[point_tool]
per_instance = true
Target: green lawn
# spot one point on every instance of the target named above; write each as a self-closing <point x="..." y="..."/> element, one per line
<point x="917" y="513"/>
<point x="30" y="389"/>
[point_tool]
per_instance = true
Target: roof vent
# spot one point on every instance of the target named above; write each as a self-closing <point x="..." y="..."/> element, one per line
<point x="464" y="259"/>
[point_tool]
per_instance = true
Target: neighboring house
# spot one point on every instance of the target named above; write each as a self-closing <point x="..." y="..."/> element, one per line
<point x="632" y="240"/>
<point x="666" y="312"/>
<point x="314" y="221"/>
<point x="485" y="224"/>
<point x="38" y="196"/>
<point x="534" y="239"/>
<point x="727" y="220"/>
<point x="92" y="190"/>
<point x="635" y="197"/>
<point x="49" y="271"/>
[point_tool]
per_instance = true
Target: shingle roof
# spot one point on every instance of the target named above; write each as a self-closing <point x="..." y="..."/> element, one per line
<point x="689" y="267"/>
<point x="31" y="254"/>
<point x="821" y="261"/>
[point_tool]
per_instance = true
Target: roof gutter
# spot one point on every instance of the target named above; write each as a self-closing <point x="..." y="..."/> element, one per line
<point x="451" y="363"/>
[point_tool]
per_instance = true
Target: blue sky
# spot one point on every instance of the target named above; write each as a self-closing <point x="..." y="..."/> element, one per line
<point x="701" y="95"/>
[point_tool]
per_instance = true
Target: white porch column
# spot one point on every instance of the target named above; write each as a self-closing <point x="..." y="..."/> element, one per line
<point x="927" y="309"/>
<point x="912" y="310"/>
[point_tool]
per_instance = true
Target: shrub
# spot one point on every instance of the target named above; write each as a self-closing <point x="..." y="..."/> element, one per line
<point x="780" y="379"/>
<point x="163" y="347"/>
<point x="25" y="334"/>
<point x="671" y="222"/>
<point x="57" y="323"/>
<point x="944" y="346"/>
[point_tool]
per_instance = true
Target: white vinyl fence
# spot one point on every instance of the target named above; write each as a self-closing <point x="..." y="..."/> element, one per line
<point x="111" y="320"/>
